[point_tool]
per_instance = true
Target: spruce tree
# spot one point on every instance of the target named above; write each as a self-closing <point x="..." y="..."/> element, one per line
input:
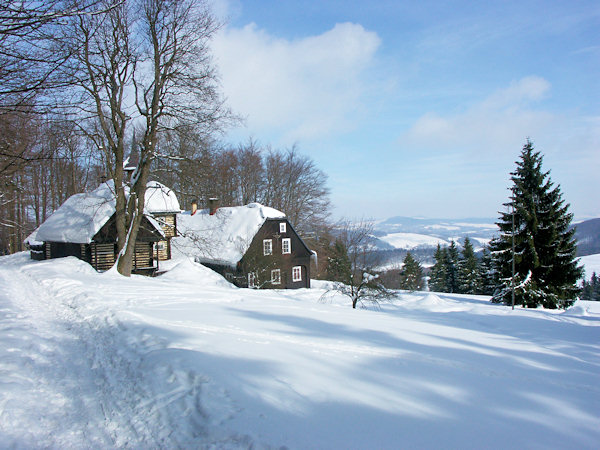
<point x="546" y="270"/>
<point x="338" y="263"/>
<point x="469" y="277"/>
<point x="591" y="289"/>
<point x="487" y="273"/>
<point x="452" y="281"/>
<point x="411" y="275"/>
<point x="438" y="272"/>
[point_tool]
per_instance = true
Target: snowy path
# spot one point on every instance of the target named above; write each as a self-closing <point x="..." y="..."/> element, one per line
<point x="68" y="367"/>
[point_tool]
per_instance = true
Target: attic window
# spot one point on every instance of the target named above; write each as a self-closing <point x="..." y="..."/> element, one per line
<point x="286" y="246"/>
<point x="282" y="227"/>
<point x="267" y="247"/>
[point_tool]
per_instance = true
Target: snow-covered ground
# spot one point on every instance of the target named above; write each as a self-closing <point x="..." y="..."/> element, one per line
<point x="187" y="361"/>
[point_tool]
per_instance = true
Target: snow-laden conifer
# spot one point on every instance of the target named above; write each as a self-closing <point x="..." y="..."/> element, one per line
<point x="545" y="267"/>
<point x="438" y="272"/>
<point x="469" y="277"/>
<point x="411" y="275"/>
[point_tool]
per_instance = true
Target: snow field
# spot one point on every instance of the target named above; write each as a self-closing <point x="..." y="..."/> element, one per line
<point x="185" y="360"/>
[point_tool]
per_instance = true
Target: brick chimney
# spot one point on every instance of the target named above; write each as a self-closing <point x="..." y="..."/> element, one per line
<point x="194" y="206"/>
<point x="213" y="205"/>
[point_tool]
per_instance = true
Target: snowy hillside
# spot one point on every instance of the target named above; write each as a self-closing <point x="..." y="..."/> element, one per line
<point x="409" y="233"/>
<point x="186" y="361"/>
<point x="591" y="264"/>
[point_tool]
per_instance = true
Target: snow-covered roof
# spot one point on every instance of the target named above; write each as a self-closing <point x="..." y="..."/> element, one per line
<point x="81" y="216"/>
<point x="223" y="237"/>
<point x="160" y="199"/>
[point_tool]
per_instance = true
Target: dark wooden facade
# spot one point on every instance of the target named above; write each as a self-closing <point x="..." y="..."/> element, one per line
<point x="101" y="253"/>
<point x="287" y="266"/>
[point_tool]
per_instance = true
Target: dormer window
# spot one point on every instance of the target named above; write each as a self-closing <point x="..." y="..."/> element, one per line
<point x="267" y="247"/>
<point x="286" y="246"/>
<point x="282" y="227"/>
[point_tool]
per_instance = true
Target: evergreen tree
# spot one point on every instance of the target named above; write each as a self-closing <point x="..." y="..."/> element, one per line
<point x="591" y="289"/>
<point x="411" y="275"/>
<point x="546" y="270"/>
<point x="487" y="273"/>
<point x="438" y="272"/>
<point x="469" y="276"/>
<point x="338" y="263"/>
<point x="452" y="277"/>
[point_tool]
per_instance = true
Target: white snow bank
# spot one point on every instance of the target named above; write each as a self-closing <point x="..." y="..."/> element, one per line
<point x="183" y="361"/>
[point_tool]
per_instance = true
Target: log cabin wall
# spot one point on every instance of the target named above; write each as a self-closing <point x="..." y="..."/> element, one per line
<point x="142" y="257"/>
<point x="103" y="256"/>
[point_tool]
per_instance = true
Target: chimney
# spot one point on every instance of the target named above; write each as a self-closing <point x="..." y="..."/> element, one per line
<point x="213" y="205"/>
<point x="194" y="206"/>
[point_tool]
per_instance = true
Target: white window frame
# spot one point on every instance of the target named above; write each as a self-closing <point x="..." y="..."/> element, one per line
<point x="267" y="247"/>
<point x="296" y="273"/>
<point x="251" y="280"/>
<point x="276" y="276"/>
<point x="282" y="227"/>
<point x="285" y="241"/>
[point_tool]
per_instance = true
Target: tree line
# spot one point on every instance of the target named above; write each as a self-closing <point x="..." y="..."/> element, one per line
<point x="283" y="179"/>
<point x="462" y="272"/>
<point x="590" y="290"/>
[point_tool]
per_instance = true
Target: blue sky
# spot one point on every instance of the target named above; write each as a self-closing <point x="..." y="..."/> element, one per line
<point x="420" y="108"/>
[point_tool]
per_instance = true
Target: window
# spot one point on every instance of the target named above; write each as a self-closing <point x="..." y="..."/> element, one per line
<point x="297" y="273"/>
<point x="267" y="247"/>
<point x="276" y="276"/>
<point x="286" y="245"/>
<point x="282" y="227"/>
<point x="251" y="280"/>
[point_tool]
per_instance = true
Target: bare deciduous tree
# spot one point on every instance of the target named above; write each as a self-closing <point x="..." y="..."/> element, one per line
<point x="297" y="187"/>
<point x="358" y="279"/>
<point x="30" y="56"/>
<point x="144" y="62"/>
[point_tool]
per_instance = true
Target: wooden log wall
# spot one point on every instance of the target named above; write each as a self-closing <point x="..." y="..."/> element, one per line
<point x="103" y="256"/>
<point x="143" y="255"/>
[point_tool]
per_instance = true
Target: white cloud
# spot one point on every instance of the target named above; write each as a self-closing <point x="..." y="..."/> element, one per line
<point x="500" y="121"/>
<point x="481" y="143"/>
<point x="301" y="88"/>
<point x="225" y="10"/>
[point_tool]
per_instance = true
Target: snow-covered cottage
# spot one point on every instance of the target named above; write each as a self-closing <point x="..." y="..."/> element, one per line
<point x="84" y="226"/>
<point x="252" y="245"/>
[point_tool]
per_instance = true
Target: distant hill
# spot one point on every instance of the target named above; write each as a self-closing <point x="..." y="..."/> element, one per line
<point x="398" y="235"/>
<point x="409" y="233"/>
<point x="588" y="237"/>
